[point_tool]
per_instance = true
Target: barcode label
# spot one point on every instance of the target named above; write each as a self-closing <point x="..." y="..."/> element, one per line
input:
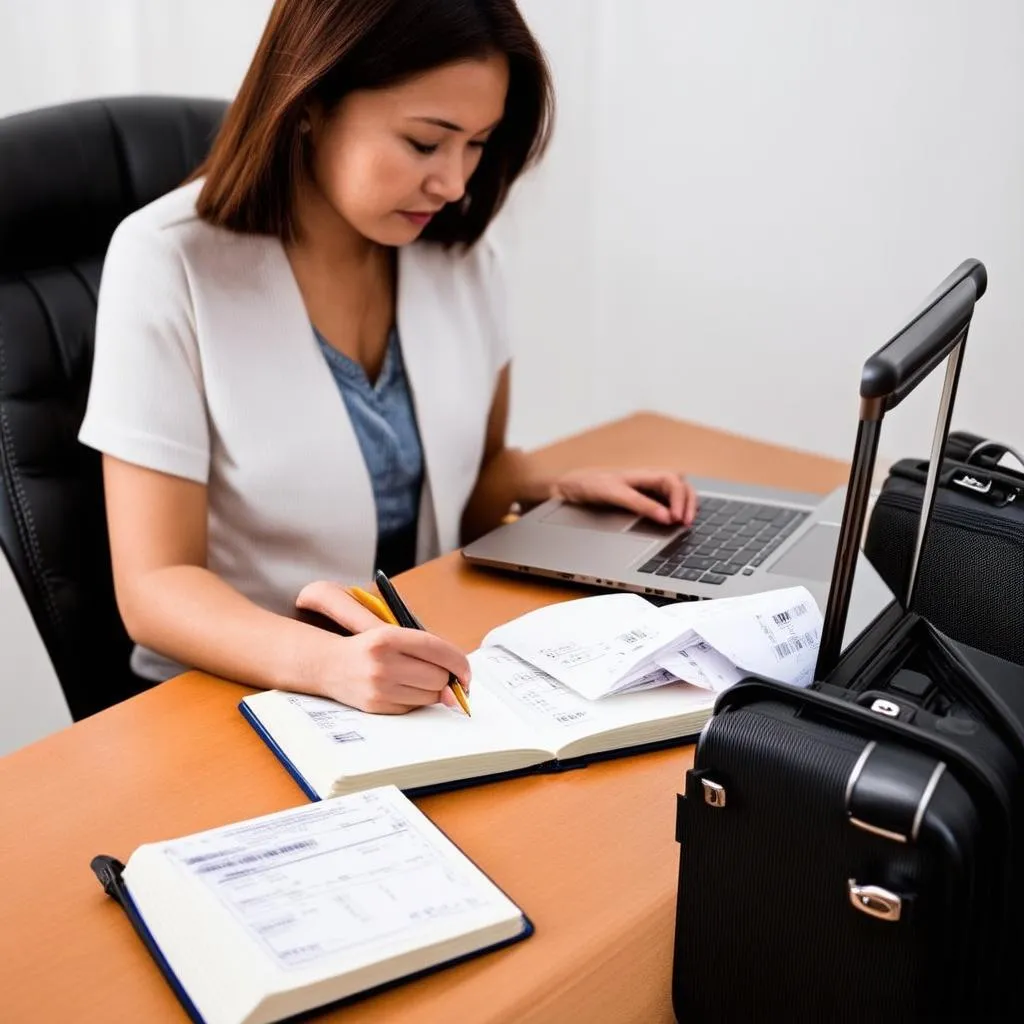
<point x="570" y="716"/>
<point x="783" y="617"/>
<point x="248" y="858"/>
<point x="347" y="737"/>
<point x="794" y="644"/>
<point x="634" y="636"/>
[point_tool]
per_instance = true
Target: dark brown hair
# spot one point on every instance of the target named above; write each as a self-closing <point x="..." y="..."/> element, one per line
<point x="317" y="51"/>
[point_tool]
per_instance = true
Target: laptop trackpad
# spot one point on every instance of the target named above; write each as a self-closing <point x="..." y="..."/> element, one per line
<point x="587" y="517"/>
<point x="608" y="520"/>
<point x="812" y="557"/>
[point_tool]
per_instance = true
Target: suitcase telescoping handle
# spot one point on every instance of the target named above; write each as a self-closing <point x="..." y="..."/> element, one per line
<point x="936" y="332"/>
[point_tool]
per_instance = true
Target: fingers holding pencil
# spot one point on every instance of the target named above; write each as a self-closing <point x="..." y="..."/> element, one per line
<point x="404" y="616"/>
<point x="385" y="669"/>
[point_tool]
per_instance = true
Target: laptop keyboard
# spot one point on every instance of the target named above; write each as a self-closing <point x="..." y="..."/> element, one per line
<point x="729" y="537"/>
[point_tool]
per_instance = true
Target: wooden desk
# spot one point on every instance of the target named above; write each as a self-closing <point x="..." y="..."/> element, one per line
<point x="589" y="855"/>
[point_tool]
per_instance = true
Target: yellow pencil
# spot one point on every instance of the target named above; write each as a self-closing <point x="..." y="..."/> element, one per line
<point x="374" y="604"/>
<point x="460" y="695"/>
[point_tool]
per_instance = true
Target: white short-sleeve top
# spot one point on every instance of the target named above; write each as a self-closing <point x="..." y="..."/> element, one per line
<point x="206" y="367"/>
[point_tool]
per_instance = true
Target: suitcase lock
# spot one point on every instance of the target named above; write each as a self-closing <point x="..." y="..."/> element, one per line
<point x="875" y="901"/>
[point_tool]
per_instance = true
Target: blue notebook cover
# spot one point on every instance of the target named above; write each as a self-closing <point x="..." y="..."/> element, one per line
<point x="277" y="751"/>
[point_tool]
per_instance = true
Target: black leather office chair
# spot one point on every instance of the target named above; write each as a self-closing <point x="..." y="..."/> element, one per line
<point x="68" y="175"/>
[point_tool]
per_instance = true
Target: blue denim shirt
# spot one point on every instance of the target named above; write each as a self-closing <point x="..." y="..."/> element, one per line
<point x="385" y="423"/>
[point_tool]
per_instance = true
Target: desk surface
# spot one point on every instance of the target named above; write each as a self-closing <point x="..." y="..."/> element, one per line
<point x="589" y="855"/>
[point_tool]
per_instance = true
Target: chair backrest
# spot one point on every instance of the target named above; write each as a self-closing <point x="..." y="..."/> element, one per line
<point x="68" y="175"/>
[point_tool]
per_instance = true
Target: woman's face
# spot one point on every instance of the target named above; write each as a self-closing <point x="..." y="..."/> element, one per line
<point x="386" y="160"/>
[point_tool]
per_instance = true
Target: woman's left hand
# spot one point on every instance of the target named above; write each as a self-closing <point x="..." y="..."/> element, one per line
<point x="631" y="489"/>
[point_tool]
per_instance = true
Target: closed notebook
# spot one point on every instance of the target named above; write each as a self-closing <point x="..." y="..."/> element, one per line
<point x="621" y="663"/>
<point x="258" y="921"/>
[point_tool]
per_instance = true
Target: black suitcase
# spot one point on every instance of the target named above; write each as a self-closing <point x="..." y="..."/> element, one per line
<point x="971" y="578"/>
<point x="847" y="851"/>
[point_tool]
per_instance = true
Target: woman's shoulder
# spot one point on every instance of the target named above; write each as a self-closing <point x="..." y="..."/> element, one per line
<point x="473" y="268"/>
<point x="170" y="223"/>
<point x="167" y="217"/>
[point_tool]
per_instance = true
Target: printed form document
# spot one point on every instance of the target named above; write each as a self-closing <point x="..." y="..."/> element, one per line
<point x="267" y="918"/>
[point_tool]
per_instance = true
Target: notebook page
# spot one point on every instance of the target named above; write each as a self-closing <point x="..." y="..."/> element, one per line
<point x="328" y="741"/>
<point x="347" y="880"/>
<point x="593" y="645"/>
<point x="560" y="715"/>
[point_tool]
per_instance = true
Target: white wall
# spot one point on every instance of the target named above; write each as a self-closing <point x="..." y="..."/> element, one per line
<point x="32" y="704"/>
<point x="742" y="200"/>
<point x="52" y="51"/>
<point x="761" y="193"/>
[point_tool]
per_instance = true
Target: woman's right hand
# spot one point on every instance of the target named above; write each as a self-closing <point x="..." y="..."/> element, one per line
<point x="382" y="669"/>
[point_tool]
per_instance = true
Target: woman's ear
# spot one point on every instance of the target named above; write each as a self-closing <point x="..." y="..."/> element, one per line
<point x="313" y="118"/>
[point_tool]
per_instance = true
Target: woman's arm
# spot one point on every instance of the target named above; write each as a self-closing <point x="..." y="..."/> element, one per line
<point x="509" y="475"/>
<point x="506" y="475"/>
<point x="171" y="603"/>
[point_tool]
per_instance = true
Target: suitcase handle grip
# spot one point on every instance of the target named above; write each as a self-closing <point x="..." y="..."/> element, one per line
<point x="937" y="332"/>
<point x="905" y="360"/>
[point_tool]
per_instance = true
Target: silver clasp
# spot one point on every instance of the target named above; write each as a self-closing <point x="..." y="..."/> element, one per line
<point x="874" y="900"/>
<point x="714" y="793"/>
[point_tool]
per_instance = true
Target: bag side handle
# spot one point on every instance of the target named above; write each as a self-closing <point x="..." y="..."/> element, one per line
<point x="998" y="451"/>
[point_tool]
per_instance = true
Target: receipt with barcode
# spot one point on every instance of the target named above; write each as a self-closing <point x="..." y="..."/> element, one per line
<point x="619" y="643"/>
<point x="774" y="634"/>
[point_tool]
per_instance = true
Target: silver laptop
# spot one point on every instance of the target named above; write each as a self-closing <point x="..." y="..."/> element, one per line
<point x="745" y="539"/>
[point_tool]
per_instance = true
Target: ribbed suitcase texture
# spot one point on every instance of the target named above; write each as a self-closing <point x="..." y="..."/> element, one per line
<point x="765" y="926"/>
<point x="971" y="579"/>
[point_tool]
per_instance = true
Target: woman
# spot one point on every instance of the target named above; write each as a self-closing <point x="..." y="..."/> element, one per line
<point x="301" y="371"/>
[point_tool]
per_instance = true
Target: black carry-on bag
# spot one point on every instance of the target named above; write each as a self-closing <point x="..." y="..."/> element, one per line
<point x="970" y="583"/>
<point x="848" y="850"/>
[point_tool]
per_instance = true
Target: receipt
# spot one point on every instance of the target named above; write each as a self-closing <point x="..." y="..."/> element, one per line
<point x="594" y="645"/>
<point x="696" y="661"/>
<point x="621" y="643"/>
<point x="775" y="634"/>
<point x="354" y="871"/>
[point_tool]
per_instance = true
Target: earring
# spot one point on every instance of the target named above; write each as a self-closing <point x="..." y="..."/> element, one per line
<point x="304" y="125"/>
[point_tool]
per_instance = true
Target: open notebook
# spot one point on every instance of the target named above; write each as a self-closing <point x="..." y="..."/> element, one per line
<point x="262" y="920"/>
<point x="594" y="677"/>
